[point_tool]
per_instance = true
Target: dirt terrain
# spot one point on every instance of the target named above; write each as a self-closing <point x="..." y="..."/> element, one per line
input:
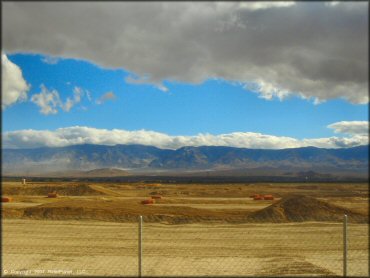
<point x="91" y="229"/>
<point x="299" y="208"/>
<point x="187" y="203"/>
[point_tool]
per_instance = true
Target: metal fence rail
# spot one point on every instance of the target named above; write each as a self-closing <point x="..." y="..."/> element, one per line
<point x="345" y="246"/>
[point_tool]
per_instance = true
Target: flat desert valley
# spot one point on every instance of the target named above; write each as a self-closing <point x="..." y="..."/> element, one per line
<point x="190" y="229"/>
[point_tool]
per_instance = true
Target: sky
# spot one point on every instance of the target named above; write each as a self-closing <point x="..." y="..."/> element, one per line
<point x="245" y="74"/>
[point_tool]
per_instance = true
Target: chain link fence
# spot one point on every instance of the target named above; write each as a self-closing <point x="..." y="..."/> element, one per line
<point x="69" y="248"/>
<point x="92" y="248"/>
<point x="358" y="251"/>
<point x="245" y="250"/>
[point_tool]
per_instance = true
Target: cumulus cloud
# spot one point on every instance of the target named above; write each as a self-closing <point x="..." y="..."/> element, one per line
<point x="267" y="90"/>
<point x="310" y="49"/>
<point x="105" y="97"/>
<point x="88" y="135"/>
<point x="70" y="102"/>
<point x="14" y="87"/>
<point x="49" y="100"/>
<point x="351" y="127"/>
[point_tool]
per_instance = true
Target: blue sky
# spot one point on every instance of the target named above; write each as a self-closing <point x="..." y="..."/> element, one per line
<point x="171" y="82"/>
<point x="214" y="106"/>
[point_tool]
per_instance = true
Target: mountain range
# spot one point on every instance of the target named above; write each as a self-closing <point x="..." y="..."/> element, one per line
<point x="131" y="159"/>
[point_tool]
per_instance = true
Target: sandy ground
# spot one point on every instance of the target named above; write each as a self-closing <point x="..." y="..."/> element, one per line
<point x="20" y="204"/>
<point x="47" y="247"/>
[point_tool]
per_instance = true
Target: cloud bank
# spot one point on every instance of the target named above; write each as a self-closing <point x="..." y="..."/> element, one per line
<point x="14" y="87"/>
<point x="315" y="50"/>
<point x="351" y="127"/>
<point x="88" y="135"/>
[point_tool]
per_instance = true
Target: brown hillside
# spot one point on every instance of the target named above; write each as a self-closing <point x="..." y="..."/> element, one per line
<point x="299" y="208"/>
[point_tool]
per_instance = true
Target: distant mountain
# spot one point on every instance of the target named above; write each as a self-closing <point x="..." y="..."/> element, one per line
<point x="128" y="158"/>
<point x="229" y="157"/>
<point x="95" y="173"/>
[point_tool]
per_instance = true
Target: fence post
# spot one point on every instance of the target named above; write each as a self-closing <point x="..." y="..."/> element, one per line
<point x="345" y="246"/>
<point x="140" y="249"/>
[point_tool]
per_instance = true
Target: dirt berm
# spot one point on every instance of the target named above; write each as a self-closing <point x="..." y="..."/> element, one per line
<point x="65" y="190"/>
<point x="121" y="210"/>
<point x="299" y="208"/>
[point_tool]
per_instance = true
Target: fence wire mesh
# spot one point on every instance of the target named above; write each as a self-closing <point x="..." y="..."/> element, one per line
<point x="248" y="249"/>
<point x="95" y="248"/>
<point x="358" y="250"/>
<point x="69" y="248"/>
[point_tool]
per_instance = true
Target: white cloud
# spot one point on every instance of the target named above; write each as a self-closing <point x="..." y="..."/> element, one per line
<point x="267" y="90"/>
<point x="14" y="87"/>
<point x="351" y="127"/>
<point x="260" y="5"/>
<point x="70" y="102"/>
<point x="88" y="135"/>
<point x="145" y="80"/>
<point x="310" y="49"/>
<point x="49" y="100"/>
<point x="105" y="97"/>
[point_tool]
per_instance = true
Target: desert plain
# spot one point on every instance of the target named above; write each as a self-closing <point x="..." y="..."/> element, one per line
<point x="91" y="229"/>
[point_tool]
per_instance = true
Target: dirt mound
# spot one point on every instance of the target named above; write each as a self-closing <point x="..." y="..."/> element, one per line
<point x="299" y="208"/>
<point x="123" y="210"/>
<point x="64" y="190"/>
<point x="79" y="213"/>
